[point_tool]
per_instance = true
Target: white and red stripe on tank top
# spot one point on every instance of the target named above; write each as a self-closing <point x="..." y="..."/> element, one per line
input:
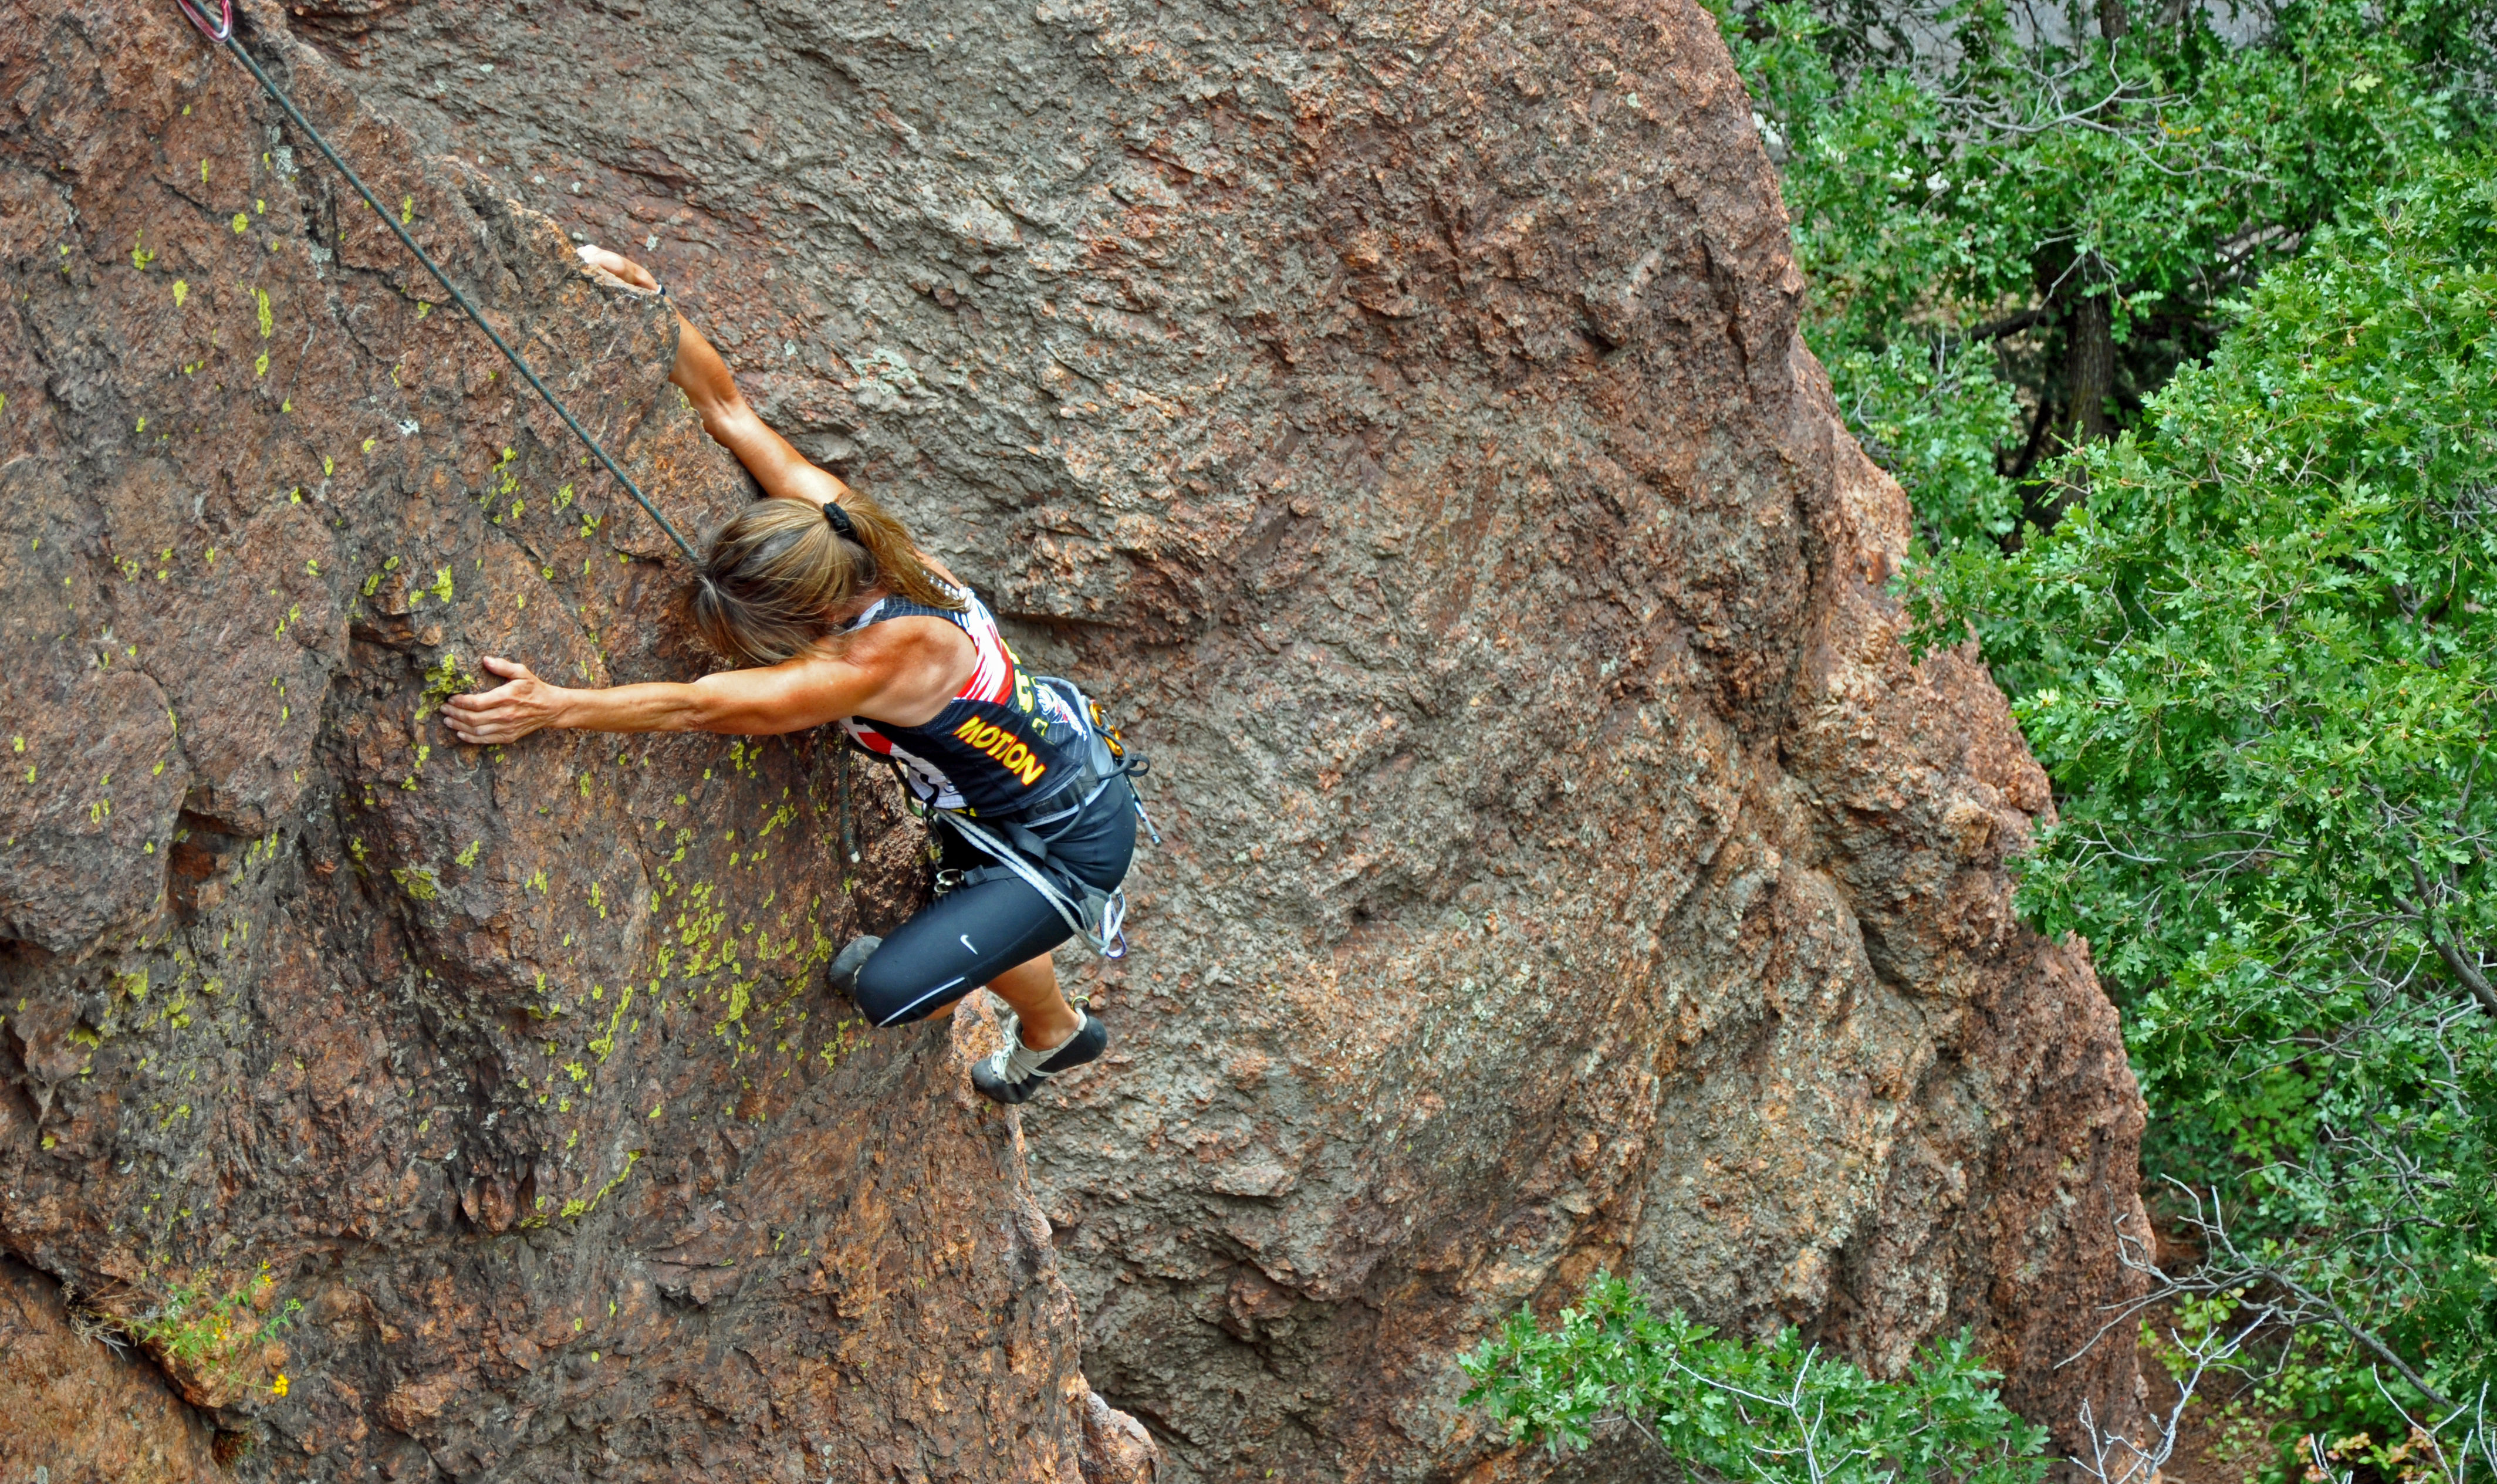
<point x="993" y="679"/>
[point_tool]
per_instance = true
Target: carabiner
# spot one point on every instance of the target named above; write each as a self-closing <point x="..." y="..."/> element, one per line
<point x="192" y="13"/>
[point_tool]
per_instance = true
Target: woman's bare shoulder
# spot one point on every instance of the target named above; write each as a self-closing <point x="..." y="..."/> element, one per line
<point x="892" y="643"/>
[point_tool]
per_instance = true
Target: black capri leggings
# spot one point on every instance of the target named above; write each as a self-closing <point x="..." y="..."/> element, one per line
<point x="974" y="933"/>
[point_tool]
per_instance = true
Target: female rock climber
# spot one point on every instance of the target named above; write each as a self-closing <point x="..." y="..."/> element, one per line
<point x="834" y="614"/>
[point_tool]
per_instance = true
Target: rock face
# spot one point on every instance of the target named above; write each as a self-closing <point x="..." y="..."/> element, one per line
<point x="79" y="1409"/>
<point x="1395" y="411"/>
<point x="425" y="1112"/>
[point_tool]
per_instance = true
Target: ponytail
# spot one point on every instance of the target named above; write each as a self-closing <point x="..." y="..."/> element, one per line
<point x="777" y="571"/>
<point x="891" y="551"/>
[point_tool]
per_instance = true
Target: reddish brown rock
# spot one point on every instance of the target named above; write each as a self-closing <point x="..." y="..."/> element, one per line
<point x="1117" y="1448"/>
<point x="1396" y="410"/>
<point x="422" y="1111"/>
<point x="78" y="1410"/>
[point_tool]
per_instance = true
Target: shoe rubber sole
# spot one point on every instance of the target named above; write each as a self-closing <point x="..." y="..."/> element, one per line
<point x="987" y="1074"/>
<point x="842" y="977"/>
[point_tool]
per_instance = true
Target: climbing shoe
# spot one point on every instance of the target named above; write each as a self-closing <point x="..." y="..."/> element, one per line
<point x="842" y="977"/>
<point x="1014" y="1074"/>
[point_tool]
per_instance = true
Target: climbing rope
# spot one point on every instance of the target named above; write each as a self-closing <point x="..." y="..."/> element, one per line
<point x="849" y="839"/>
<point x="222" y="32"/>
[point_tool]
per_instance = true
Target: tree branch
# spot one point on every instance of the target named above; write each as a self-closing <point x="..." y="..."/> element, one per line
<point x="2008" y="325"/>
<point x="2463" y="968"/>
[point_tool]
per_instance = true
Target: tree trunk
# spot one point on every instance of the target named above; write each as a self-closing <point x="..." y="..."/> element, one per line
<point x="2089" y="368"/>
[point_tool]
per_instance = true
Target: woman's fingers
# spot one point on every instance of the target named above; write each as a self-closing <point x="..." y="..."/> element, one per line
<point x="516" y="677"/>
<point x="478" y="706"/>
<point x="495" y="705"/>
<point x="486" y="724"/>
<point x="505" y="713"/>
<point x="623" y="269"/>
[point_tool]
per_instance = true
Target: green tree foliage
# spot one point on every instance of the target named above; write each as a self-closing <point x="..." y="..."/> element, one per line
<point x="2016" y="221"/>
<point x="2176" y="324"/>
<point x="1778" y="1413"/>
<point x="2260" y="659"/>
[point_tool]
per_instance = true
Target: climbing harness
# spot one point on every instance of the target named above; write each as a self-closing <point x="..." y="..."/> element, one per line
<point x="222" y="32"/>
<point x="1014" y="760"/>
<point x="1019" y="841"/>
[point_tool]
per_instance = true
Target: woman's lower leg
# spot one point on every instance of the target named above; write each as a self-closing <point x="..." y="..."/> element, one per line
<point x="1030" y="987"/>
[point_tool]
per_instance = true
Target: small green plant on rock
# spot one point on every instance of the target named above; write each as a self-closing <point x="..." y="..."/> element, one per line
<point x="1779" y="1412"/>
<point x="215" y="1339"/>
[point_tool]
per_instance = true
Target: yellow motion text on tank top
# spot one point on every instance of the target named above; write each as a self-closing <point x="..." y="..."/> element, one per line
<point x="1002" y="744"/>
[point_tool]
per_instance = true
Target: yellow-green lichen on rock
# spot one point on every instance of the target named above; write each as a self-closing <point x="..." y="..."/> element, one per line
<point x="307" y="982"/>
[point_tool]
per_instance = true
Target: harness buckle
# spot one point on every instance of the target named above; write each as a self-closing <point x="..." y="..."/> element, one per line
<point x="947" y="882"/>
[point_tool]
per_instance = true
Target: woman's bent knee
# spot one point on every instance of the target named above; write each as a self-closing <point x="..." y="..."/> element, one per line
<point x="896" y="996"/>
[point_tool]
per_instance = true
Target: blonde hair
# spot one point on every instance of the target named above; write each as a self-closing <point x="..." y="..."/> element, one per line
<point x="777" y="572"/>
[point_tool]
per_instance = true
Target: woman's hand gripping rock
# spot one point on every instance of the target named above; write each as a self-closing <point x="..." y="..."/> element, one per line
<point x="523" y="703"/>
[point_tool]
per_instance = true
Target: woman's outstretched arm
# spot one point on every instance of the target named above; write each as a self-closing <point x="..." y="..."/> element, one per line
<point x="788" y="697"/>
<point x="905" y="672"/>
<point x="726" y="416"/>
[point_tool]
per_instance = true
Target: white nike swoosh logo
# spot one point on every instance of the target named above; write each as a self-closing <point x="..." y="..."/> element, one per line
<point x="966" y="941"/>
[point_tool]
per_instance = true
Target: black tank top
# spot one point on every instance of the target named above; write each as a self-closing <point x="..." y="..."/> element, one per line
<point x="1002" y="744"/>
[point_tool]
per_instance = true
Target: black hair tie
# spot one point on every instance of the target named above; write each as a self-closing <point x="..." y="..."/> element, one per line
<point x="840" y="519"/>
